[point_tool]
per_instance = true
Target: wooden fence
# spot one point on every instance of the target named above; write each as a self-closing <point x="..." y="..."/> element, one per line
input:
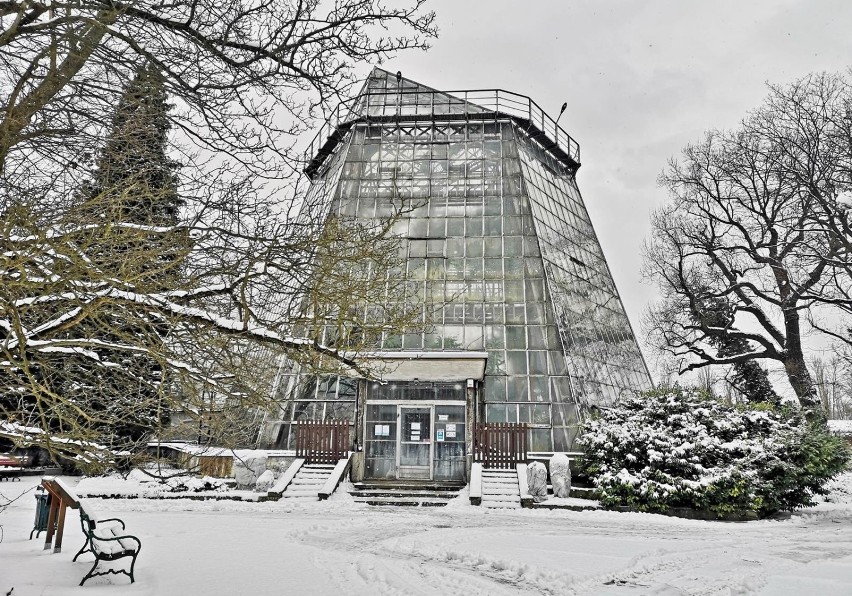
<point x="322" y="441"/>
<point x="215" y="466"/>
<point x="500" y="445"/>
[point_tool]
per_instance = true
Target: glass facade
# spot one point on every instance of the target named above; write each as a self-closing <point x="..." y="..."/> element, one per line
<point x="602" y="353"/>
<point x="501" y="257"/>
<point x="308" y="398"/>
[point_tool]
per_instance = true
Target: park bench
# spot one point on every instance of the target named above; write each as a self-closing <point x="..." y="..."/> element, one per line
<point x="11" y="467"/>
<point x="106" y="539"/>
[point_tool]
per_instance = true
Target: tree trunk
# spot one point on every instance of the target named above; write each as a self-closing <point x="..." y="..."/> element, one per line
<point x="801" y="381"/>
<point x="796" y="368"/>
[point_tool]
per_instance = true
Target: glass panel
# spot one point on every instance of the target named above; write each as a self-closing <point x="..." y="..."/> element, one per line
<point x="495" y="389"/>
<point x="449" y="440"/>
<point x="380" y="435"/>
<point x="495" y="413"/>
<point x="493" y="268"/>
<point x="538" y="389"/>
<point x="449" y="461"/>
<point x="539" y="439"/>
<point x="516" y="388"/>
<point x="380" y="468"/>
<point x="515" y="337"/>
<point x="537" y="362"/>
<point x="412" y="454"/>
<point x="537" y="337"/>
<point x="493" y="247"/>
<point x="283" y="438"/>
<point x="340" y="410"/>
<point x="495" y="337"/>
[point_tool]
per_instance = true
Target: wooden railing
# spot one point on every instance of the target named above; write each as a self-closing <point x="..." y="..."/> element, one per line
<point x="500" y="445"/>
<point x="322" y="441"/>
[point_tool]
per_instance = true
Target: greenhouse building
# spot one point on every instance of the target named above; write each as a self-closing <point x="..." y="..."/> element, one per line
<point x="527" y="331"/>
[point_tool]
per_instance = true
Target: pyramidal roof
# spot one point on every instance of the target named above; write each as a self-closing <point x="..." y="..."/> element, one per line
<point x="384" y="80"/>
<point x="387" y="89"/>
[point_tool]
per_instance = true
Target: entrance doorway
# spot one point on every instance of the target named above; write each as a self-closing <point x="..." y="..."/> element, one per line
<point x="415" y="442"/>
<point x="415" y="438"/>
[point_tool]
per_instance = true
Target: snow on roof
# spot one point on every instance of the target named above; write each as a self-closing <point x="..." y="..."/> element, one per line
<point x="841" y="427"/>
<point x="210" y="451"/>
<point x="192" y="449"/>
<point x="94" y="450"/>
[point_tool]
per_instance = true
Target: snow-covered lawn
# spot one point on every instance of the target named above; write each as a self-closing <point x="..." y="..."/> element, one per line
<point x="195" y="548"/>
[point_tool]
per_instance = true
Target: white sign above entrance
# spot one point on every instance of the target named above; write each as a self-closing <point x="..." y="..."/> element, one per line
<point x="428" y="366"/>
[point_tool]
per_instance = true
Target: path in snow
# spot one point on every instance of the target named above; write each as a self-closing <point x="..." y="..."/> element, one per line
<point x="209" y="548"/>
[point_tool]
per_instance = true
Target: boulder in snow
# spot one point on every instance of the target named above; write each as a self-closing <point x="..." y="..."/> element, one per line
<point x="537" y="481"/>
<point x="560" y="474"/>
<point x="247" y="469"/>
<point x="265" y="481"/>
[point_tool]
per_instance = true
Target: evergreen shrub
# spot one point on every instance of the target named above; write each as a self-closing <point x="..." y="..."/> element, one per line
<point x="678" y="447"/>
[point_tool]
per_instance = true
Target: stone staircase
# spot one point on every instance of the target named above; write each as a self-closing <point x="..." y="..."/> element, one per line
<point x="405" y="494"/>
<point x="308" y="481"/>
<point x="500" y="489"/>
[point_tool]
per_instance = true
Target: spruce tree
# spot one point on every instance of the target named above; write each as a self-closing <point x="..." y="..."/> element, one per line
<point x="133" y="201"/>
<point x="135" y="182"/>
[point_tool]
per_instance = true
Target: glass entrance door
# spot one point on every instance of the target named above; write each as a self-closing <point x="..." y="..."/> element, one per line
<point x="415" y="442"/>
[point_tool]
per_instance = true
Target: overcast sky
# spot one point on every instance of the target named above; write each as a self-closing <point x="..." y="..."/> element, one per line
<point x="641" y="78"/>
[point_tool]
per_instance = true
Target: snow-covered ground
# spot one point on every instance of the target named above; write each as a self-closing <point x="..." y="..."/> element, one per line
<point x="195" y="548"/>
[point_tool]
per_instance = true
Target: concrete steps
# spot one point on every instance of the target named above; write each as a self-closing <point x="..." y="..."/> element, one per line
<point x="500" y="489"/>
<point x="405" y="494"/>
<point x="308" y="482"/>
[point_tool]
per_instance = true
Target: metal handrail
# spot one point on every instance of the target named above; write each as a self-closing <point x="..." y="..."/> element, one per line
<point x="423" y="102"/>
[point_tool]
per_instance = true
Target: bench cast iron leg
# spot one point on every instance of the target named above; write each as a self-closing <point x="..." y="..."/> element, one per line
<point x="86" y="548"/>
<point x="110" y="571"/>
<point x="133" y="564"/>
<point x="91" y="572"/>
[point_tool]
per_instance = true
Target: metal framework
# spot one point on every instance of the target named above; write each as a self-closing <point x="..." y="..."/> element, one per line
<point x="420" y="104"/>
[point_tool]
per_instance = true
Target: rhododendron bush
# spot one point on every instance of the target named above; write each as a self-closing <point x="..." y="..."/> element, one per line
<point x="679" y="447"/>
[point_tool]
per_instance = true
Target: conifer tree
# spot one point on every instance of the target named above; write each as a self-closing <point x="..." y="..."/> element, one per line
<point x="135" y="182"/>
<point x="133" y="201"/>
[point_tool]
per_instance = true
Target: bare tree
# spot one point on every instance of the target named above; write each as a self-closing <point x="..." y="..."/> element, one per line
<point x="253" y="260"/>
<point x="707" y="380"/>
<point x="757" y="219"/>
<point x="236" y="70"/>
<point x="833" y="381"/>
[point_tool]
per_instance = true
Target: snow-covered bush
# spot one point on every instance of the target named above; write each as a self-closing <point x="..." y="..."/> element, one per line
<point x="183" y="484"/>
<point x="677" y="447"/>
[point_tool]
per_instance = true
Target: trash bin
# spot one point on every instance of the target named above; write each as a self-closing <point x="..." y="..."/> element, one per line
<point x="42" y="512"/>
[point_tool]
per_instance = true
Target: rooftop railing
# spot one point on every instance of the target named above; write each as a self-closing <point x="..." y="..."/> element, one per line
<point x="417" y="104"/>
